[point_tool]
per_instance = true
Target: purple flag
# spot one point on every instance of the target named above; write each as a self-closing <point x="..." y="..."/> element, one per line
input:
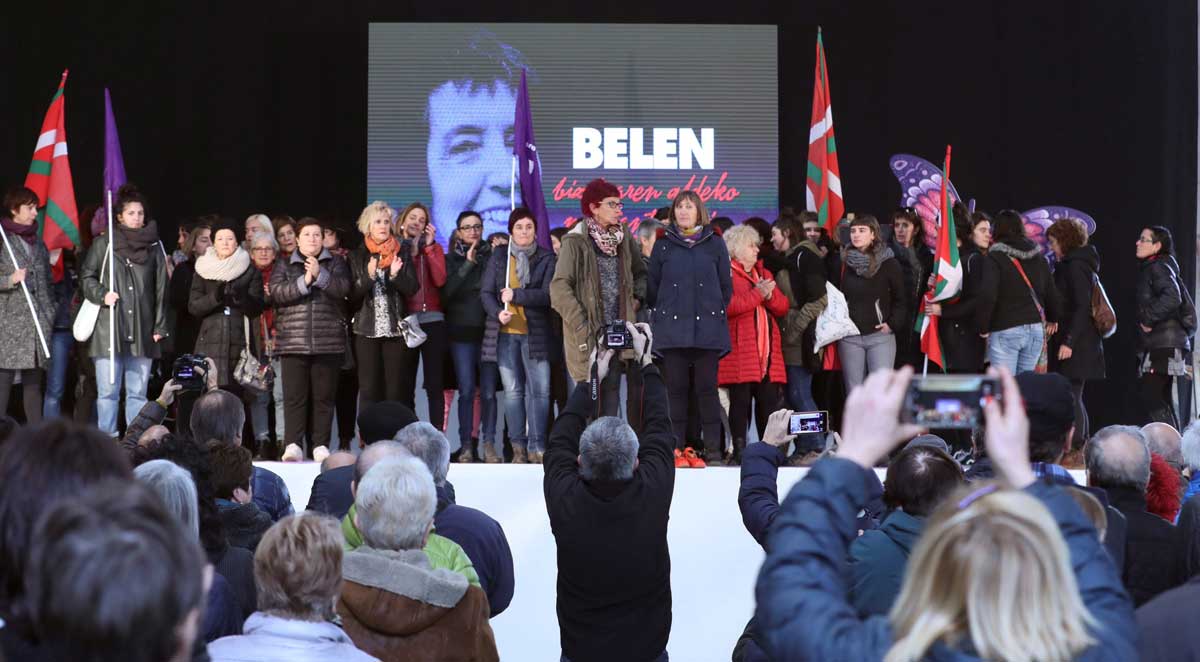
<point x="114" y="163"/>
<point x="529" y="167"/>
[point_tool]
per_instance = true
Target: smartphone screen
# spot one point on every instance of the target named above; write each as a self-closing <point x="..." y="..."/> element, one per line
<point x="809" y="422"/>
<point x="949" y="401"/>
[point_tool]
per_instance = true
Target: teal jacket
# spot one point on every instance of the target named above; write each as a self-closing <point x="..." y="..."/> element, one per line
<point x="877" y="561"/>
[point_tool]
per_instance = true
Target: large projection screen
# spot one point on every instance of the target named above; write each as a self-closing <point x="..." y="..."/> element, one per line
<point x="652" y="108"/>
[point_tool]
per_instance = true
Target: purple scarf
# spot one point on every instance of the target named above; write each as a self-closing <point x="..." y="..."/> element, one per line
<point x="27" y="232"/>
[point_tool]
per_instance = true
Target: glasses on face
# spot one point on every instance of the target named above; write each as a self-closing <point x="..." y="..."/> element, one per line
<point x="614" y="205"/>
<point x="474" y="227"/>
<point x="1145" y="240"/>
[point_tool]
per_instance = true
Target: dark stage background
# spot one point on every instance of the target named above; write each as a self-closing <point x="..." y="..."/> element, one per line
<point x="262" y="106"/>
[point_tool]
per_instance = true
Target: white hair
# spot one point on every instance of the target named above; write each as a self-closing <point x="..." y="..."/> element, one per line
<point x="1190" y="446"/>
<point x="607" y="450"/>
<point x="263" y="222"/>
<point x="429" y="445"/>
<point x="395" y="503"/>
<point x="265" y="239"/>
<point x="174" y="486"/>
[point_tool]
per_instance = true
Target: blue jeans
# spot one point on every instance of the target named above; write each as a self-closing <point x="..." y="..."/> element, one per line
<point x="799" y="389"/>
<point x="465" y="356"/>
<point x="134" y="372"/>
<point x="1017" y="349"/>
<point x="518" y="370"/>
<point x="56" y="372"/>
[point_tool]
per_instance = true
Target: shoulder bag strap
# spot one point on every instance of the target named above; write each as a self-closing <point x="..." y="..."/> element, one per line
<point x="1032" y="292"/>
<point x="246" y="327"/>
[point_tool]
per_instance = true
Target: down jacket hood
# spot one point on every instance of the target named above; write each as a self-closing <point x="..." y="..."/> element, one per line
<point x="1022" y="249"/>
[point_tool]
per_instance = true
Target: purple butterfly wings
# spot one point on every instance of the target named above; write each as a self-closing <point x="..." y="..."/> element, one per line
<point x="921" y="189"/>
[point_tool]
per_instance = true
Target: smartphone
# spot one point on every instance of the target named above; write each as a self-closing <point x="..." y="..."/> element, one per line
<point x="949" y="401"/>
<point x="809" y="422"/>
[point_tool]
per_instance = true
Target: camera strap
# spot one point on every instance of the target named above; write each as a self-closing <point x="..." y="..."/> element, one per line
<point x="595" y="381"/>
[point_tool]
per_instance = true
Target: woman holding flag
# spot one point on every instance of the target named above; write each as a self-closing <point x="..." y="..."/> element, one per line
<point x="138" y="292"/>
<point x="25" y="301"/>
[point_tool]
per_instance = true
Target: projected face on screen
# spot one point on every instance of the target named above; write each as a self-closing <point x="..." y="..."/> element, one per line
<point x="469" y="153"/>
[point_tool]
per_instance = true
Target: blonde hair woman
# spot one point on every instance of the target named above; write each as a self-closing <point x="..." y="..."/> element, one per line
<point x="1004" y="571"/>
<point x="382" y="281"/>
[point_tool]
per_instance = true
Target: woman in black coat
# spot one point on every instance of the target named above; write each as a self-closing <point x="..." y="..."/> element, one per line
<point x="963" y="343"/>
<point x="916" y="261"/>
<point x="873" y="282"/>
<point x="688" y="287"/>
<point x="226" y="296"/>
<point x="1077" y="350"/>
<point x="179" y="291"/>
<point x="1166" y="323"/>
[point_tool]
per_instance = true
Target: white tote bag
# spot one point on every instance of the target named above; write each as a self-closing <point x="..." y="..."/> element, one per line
<point x="834" y="322"/>
<point x="85" y="319"/>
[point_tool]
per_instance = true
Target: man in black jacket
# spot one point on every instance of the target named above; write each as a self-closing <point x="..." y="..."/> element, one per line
<point x="1119" y="461"/>
<point x="608" y="496"/>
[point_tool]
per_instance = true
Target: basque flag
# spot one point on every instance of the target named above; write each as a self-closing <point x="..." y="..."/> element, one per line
<point x="947" y="273"/>
<point x="824" y="190"/>
<point x="529" y="168"/>
<point x="50" y="178"/>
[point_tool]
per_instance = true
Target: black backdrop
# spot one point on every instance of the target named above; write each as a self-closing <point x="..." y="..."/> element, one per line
<point x="239" y="107"/>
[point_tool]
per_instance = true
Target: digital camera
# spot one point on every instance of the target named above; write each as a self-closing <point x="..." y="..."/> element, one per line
<point x="189" y="372"/>
<point x="616" y="336"/>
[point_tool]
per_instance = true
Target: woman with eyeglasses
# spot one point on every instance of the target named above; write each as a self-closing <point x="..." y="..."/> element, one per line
<point x="264" y="252"/>
<point x="382" y="280"/>
<point x="465" y="319"/>
<point x="1020" y="305"/>
<point x="1166" y="322"/>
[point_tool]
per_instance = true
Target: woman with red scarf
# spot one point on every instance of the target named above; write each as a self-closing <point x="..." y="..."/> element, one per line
<point x="382" y="280"/>
<point x="20" y="350"/>
<point x="754" y="369"/>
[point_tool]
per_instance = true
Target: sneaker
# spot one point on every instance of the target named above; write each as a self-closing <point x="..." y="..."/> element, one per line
<point x="292" y="454"/>
<point x="490" y="457"/>
<point x="465" y="456"/>
<point x="320" y="453"/>
<point x="693" y="461"/>
<point x="680" y="461"/>
<point x="519" y="456"/>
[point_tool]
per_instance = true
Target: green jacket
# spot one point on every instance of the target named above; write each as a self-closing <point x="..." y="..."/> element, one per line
<point x="575" y="293"/>
<point x="442" y="552"/>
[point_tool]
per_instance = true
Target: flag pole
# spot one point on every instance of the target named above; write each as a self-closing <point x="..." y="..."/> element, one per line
<point x="512" y="206"/>
<point x="28" y="299"/>
<point x="112" y="328"/>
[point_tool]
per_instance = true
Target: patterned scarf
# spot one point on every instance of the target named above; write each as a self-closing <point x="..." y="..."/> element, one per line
<point x="386" y="251"/>
<point x="608" y="241"/>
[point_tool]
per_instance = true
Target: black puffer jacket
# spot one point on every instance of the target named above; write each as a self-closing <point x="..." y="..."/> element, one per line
<point x="309" y="319"/>
<point x="1074" y="277"/>
<point x="460" y="295"/>
<point x="1159" y="301"/>
<point x="535" y="297"/>
<point x="403" y="284"/>
<point x="221" y="308"/>
<point x="1005" y="301"/>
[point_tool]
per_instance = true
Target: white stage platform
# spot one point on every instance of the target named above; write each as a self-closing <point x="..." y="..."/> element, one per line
<point x="714" y="561"/>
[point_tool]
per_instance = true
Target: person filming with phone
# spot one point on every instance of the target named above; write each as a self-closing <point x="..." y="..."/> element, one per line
<point x="1004" y="570"/>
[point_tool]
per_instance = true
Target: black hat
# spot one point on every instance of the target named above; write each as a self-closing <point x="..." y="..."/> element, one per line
<point x="1049" y="404"/>
<point x="382" y="420"/>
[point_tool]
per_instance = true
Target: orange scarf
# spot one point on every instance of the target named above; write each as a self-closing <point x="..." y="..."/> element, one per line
<point x="386" y="251"/>
<point x="762" y="322"/>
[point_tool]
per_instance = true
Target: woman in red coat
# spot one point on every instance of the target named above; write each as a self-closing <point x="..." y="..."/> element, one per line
<point x="754" y="369"/>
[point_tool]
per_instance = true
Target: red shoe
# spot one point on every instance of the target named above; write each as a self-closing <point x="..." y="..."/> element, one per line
<point x="693" y="461"/>
<point x="680" y="461"/>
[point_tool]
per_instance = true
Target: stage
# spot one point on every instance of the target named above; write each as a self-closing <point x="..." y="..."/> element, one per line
<point x="714" y="561"/>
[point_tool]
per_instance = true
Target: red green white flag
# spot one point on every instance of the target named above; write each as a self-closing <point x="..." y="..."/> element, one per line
<point x="824" y="190"/>
<point x="50" y="177"/>
<point x="947" y="275"/>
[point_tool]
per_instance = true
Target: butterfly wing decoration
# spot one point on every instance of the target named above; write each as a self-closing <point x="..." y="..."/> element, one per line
<point x="1039" y="219"/>
<point x="921" y="189"/>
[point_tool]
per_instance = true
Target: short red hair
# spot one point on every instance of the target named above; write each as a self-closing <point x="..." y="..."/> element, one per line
<point x="596" y="191"/>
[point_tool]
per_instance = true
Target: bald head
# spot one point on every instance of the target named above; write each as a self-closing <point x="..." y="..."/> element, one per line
<point x="338" y="460"/>
<point x="371" y="455"/>
<point x="1117" y="456"/>
<point x="1165" y="441"/>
